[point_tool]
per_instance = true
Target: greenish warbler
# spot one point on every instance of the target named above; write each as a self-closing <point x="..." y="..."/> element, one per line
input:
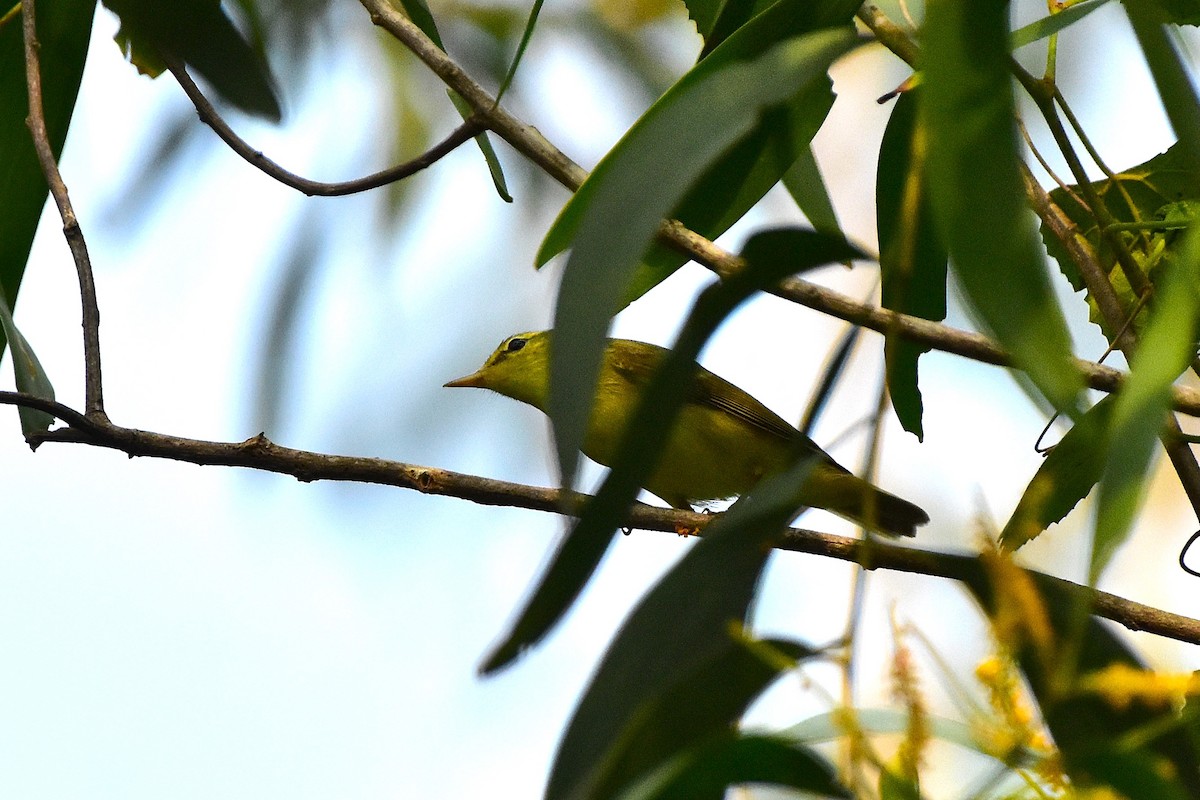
<point x="722" y="443"/>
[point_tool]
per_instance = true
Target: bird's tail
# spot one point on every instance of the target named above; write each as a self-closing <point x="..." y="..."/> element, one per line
<point x="849" y="496"/>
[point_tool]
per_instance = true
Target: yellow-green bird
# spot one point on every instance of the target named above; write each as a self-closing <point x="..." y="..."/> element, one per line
<point x="722" y="443"/>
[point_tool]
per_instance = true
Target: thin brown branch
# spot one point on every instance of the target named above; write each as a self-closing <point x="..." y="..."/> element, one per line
<point x="259" y="453"/>
<point x="93" y="385"/>
<point x="210" y="116"/>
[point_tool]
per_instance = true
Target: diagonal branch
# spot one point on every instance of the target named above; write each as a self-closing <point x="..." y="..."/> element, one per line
<point x="259" y="453"/>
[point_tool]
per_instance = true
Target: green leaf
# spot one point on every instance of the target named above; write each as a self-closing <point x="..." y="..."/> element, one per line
<point x="977" y="192"/>
<point x="1145" y="198"/>
<point x="731" y="760"/>
<point x="696" y="705"/>
<point x="419" y="13"/>
<point x="629" y="197"/>
<point x="1066" y="476"/>
<point x="721" y="194"/>
<point x="1165" y="350"/>
<point x="1048" y="26"/>
<point x="30" y="377"/>
<point x="912" y="258"/>
<point x="199" y="33"/>
<point x="64" y="29"/>
<point x="580" y="553"/>
<point x="703" y="13"/>
<point x="805" y="184"/>
<point x="526" y="34"/>
<point x="680" y="628"/>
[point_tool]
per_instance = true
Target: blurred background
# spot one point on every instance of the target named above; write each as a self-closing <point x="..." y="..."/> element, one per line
<point x="172" y="630"/>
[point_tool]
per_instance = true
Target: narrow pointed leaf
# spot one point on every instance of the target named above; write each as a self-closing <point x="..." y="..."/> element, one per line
<point x="977" y="193"/>
<point x="805" y="184"/>
<point x="584" y="547"/>
<point x="30" y="377"/>
<point x="419" y="13"/>
<point x="1048" y="26"/>
<point x="912" y="258"/>
<point x="64" y="29"/>
<point x="682" y="624"/>
<point x="1066" y="476"/>
<point x="729" y="187"/>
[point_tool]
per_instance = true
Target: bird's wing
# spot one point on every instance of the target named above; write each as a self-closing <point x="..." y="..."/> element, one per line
<point x="637" y="365"/>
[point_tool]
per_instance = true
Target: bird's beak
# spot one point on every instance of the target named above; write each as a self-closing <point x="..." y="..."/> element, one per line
<point x="472" y="380"/>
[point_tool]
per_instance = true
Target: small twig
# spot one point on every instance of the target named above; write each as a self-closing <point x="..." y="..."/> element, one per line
<point x="259" y="453"/>
<point x="93" y="385"/>
<point x="208" y="114"/>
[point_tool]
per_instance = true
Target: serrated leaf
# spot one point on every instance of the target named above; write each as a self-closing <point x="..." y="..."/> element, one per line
<point x="1055" y="23"/>
<point x="64" y="29"/>
<point x="199" y="33"/>
<point x="967" y="106"/>
<point x="682" y="624"/>
<point x="583" y="548"/>
<point x="1140" y="409"/>
<point x="912" y="258"/>
<point x="1149" y="199"/>
<point x="1065" y="477"/>
<point x="30" y="377"/>
<point x="732" y="760"/>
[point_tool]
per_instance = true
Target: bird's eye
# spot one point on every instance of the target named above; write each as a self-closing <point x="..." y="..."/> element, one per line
<point x="515" y="344"/>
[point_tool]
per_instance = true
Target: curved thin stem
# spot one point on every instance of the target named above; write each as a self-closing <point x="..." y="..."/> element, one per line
<point x="208" y="114"/>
